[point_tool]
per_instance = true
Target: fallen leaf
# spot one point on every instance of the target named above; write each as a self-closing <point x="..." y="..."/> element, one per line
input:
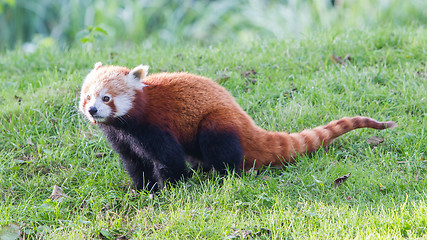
<point x="340" y="60"/>
<point x="58" y="194"/>
<point x="337" y="59"/>
<point x="374" y="140"/>
<point x="239" y="234"/>
<point x="10" y="232"/>
<point x="249" y="75"/>
<point x="341" y="179"/>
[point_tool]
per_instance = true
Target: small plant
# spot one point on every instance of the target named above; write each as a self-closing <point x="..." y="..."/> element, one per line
<point x="91" y="34"/>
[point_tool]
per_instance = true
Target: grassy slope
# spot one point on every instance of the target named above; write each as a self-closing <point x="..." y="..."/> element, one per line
<point x="297" y="86"/>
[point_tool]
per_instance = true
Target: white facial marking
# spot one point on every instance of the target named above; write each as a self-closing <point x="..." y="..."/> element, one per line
<point x="123" y="104"/>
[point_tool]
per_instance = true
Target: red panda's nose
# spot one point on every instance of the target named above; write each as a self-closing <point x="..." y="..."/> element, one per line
<point x="92" y="110"/>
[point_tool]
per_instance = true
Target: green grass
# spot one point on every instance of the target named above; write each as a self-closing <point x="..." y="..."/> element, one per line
<point x="44" y="141"/>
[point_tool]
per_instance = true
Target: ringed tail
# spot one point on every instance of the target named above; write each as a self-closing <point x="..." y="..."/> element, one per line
<point x="310" y="140"/>
<point x="283" y="148"/>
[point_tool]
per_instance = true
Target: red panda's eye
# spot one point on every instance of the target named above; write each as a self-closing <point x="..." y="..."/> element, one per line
<point x="106" y="98"/>
<point x="88" y="97"/>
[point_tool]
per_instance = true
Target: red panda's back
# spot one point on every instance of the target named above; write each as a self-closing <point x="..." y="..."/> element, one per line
<point x="180" y="101"/>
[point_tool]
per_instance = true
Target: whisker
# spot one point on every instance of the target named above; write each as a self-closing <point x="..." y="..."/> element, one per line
<point x="121" y="119"/>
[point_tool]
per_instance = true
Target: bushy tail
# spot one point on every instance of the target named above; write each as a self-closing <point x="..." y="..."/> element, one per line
<point x="310" y="140"/>
<point x="276" y="148"/>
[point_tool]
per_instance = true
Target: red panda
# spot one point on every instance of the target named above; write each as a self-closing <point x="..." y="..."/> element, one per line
<point x="154" y="122"/>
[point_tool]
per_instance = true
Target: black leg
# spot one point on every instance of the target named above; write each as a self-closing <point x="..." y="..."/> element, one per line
<point x="221" y="149"/>
<point x="170" y="171"/>
<point x="141" y="173"/>
<point x="167" y="156"/>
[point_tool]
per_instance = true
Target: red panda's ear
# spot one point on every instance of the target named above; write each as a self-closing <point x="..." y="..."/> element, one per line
<point x="139" y="72"/>
<point x="97" y="65"/>
<point x="136" y="75"/>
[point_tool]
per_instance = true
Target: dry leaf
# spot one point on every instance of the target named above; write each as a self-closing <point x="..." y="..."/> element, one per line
<point x="341" y="179"/>
<point x="337" y="59"/>
<point x="249" y="75"/>
<point x="239" y="234"/>
<point x="340" y="60"/>
<point x="374" y="141"/>
<point x="58" y="194"/>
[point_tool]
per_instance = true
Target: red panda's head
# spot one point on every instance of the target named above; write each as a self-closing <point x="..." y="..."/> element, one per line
<point x="109" y="91"/>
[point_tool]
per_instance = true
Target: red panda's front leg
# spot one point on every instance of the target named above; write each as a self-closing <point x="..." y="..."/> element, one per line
<point x="141" y="171"/>
<point x="165" y="153"/>
<point x="150" y="155"/>
<point x="139" y="167"/>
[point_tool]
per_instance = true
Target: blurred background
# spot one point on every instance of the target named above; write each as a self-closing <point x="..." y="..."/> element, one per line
<point x="31" y="23"/>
